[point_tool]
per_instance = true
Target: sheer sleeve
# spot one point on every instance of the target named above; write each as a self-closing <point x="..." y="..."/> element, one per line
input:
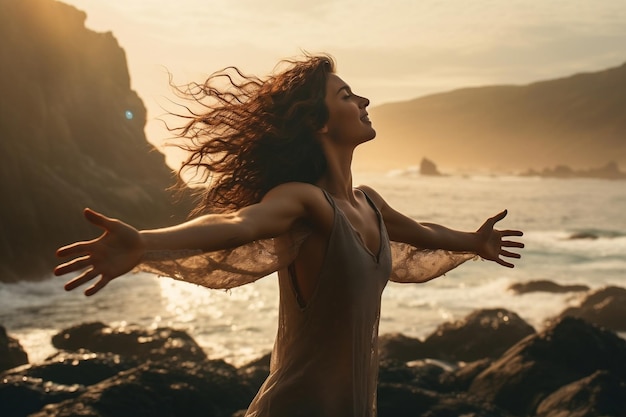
<point x="411" y="264"/>
<point x="227" y="268"/>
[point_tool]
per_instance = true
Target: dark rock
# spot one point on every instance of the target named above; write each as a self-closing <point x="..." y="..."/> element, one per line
<point x="71" y="368"/>
<point x="429" y="374"/>
<point x="160" y="389"/>
<point x="482" y="334"/>
<point x="461" y="404"/>
<point x="22" y="395"/>
<point x="461" y="379"/>
<point x="395" y="372"/>
<point x="400" y="347"/>
<point x="605" y="307"/>
<point x="130" y="341"/>
<point x="400" y="400"/>
<point x="255" y="372"/>
<point x="600" y="394"/>
<point x="12" y="353"/>
<point x="428" y="167"/>
<point x="545" y="286"/>
<point x="539" y="365"/>
<point x="583" y="235"/>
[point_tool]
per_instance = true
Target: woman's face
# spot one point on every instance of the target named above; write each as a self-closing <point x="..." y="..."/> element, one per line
<point x="347" y="115"/>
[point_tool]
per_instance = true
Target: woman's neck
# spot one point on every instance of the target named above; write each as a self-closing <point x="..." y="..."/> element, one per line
<point x="338" y="177"/>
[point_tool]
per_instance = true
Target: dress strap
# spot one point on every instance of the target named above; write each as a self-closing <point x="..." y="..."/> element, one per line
<point x="371" y="203"/>
<point x="330" y="198"/>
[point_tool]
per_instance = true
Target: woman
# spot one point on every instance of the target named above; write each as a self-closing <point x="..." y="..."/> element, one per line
<point x="279" y="152"/>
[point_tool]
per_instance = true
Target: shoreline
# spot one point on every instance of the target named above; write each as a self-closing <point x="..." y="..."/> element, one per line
<point x="468" y="365"/>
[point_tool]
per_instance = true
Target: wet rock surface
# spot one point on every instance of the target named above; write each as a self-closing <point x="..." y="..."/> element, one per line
<point x="130" y="341"/>
<point x="605" y="307"/>
<point x="12" y="353"/>
<point x="545" y="286"/>
<point x="502" y="368"/>
<point x="482" y="334"/>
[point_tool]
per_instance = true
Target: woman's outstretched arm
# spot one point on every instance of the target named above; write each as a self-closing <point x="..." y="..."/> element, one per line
<point x="121" y="246"/>
<point x="488" y="242"/>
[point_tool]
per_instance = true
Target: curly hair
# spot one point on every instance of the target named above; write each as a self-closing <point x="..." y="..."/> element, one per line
<point x="253" y="134"/>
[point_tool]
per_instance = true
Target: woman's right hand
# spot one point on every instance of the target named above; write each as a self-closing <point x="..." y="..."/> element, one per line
<point x="117" y="251"/>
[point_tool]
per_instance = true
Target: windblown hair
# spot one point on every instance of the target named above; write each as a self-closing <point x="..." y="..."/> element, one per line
<point x="253" y="134"/>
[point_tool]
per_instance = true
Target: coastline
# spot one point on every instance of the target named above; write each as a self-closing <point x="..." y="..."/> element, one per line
<point x="470" y="358"/>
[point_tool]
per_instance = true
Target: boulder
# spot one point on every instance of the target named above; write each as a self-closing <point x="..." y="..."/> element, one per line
<point x="461" y="379"/>
<point x="545" y="286"/>
<point x="130" y="341"/>
<point x="399" y="347"/>
<point x="605" y="307"/>
<point x="63" y="376"/>
<point x="539" y="365"/>
<point x="397" y="372"/>
<point x="461" y="404"/>
<point x="75" y="368"/>
<point x="482" y="334"/>
<point x="428" y="167"/>
<point x="256" y="372"/>
<point x="12" y="353"/>
<point x="21" y="395"/>
<point x="600" y="394"/>
<point x="160" y="389"/>
<point x="401" y="400"/>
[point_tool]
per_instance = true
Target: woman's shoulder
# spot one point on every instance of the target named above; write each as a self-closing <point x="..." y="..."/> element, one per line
<point x="372" y="195"/>
<point x="295" y="189"/>
<point x="309" y="195"/>
<point x="310" y="198"/>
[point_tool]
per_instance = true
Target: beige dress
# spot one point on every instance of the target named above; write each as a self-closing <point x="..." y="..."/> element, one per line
<point x="325" y="357"/>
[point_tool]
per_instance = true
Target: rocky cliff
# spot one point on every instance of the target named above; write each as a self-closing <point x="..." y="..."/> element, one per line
<point x="71" y="136"/>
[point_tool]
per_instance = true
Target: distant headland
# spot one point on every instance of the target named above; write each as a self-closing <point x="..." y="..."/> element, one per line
<point x="610" y="171"/>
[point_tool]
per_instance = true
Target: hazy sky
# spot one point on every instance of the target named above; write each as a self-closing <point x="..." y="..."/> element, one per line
<point x="386" y="50"/>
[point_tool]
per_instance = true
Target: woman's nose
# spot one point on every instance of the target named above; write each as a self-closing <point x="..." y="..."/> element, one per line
<point x="364" y="102"/>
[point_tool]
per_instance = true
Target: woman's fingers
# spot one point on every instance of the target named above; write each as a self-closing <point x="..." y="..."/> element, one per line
<point x="83" y="247"/>
<point x="97" y="219"/>
<point x="86" y="276"/>
<point x="495" y="219"/>
<point x="504" y="263"/>
<point x="512" y="244"/>
<point x="94" y="256"/>
<point x="75" y="249"/>
<point x="73" y="265"/>
<point x="97" y="286"/>
<point x="487" y="227"/>
<point x="512" y="233"/>
<point x="510" y="254"/>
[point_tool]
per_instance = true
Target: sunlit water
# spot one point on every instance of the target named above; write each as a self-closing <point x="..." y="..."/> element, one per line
<point x="239" y="325"/>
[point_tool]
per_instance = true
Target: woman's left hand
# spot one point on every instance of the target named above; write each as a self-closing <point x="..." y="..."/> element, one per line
<point x="491" y="243"/>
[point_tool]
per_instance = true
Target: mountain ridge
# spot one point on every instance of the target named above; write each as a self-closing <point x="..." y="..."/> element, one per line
<point x="577" y="120"/>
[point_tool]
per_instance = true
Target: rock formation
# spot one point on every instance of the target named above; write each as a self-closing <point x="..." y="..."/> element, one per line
<point x="72" y="137"/>
<point x="572" y="367"/>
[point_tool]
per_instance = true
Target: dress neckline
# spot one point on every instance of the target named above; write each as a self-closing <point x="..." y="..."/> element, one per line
<point x="375" y="256"/>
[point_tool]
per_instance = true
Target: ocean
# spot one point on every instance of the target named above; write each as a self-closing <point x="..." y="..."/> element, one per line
<point x="239" y="325"/>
